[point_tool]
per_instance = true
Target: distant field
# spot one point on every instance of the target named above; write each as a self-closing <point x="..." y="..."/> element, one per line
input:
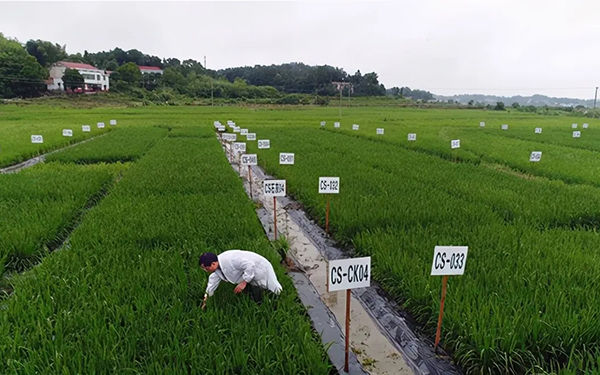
<point x="528" y="301"/>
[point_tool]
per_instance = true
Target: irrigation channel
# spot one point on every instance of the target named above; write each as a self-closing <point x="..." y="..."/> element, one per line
<point x="41" y="158"/>
<point x="383" y="339"/>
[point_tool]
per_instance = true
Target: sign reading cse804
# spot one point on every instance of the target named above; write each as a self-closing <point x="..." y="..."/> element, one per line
<point x="274" y="188"/>
<point x="329" y="185"/>
<point x="349" y="274"/>
<point x="449" y="260"/>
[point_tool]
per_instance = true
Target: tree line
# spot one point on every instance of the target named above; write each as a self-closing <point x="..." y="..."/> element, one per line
<point x="23" y="69"/>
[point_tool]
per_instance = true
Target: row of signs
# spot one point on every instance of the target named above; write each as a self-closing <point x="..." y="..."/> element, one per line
<point x="37" y="138"/>
<point x="356" y="272"/>
<point x="277" y="188"/>
<point x="505" y="126"/>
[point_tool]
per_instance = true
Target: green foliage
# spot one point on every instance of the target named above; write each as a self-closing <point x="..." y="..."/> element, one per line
<point x="129" y="75"/>
<point x="40" y="205"/>
<point x="45" y="52"/>
<point x="72" y="79"/>
<point x="125" y="296"/>
<point x="499" y="106"/>
<point x="20" y="74"/>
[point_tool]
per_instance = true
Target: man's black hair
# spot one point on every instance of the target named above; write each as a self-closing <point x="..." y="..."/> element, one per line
<point x="207" y="259"/>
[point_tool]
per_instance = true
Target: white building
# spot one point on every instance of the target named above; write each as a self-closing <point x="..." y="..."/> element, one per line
<point x="150" y="69"/>
<point x="94" y="79"/>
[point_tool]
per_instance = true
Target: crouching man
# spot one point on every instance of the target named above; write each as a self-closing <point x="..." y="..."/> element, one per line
<point x="250" y="271"/>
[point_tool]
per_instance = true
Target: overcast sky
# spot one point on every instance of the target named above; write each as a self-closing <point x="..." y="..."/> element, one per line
<point x="447" y="47"/>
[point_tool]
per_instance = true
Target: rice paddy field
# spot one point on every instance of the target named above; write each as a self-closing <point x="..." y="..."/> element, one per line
<point x="134" y="208"/>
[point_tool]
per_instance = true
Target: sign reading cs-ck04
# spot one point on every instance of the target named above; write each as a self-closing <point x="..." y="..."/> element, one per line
<point x="349" y="273"/>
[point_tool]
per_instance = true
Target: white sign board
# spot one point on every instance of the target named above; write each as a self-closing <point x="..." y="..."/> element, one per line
<point x="113" y="122"/>
<point x="449" y="260"/>
<point x="216" y="124"/>
<point x="274" y="188"/>
<point x="251" y="137"/>
<point x="249" y="159"/>
<point x="264" y="143"/>
<point x="286" y="158"/>
<point x="243" y="131"/>
<point x="538" y="130"/>
<point x="37" y="139"/>
<point x="221" y="128"/>
<point x="535" y="156"/>
<point x="323" y="123"/>
<point x="349" y="274"/>
<point x="239" y="147"/>
<point x="504" y="127"/>
<point x="228" y="137"/>
<point x="86" y="128"/>
<point x="379" y="131"/>
<point x="336" y="124"/>
<point x="455" y="143"/>
<point x="100" y="125"/>
<point x="412" y="136"/>
<point x="236" y="129"/>
<point x="573" y="126"/>
<point x="576" y="134"/>
<point x="67" y="132"/>
<point x="482" y="124"/>
<point x="231" y="123"/>
<point x="585" y="125"/>
<point x="329" y="185"/>
<point x="355" y="126"/>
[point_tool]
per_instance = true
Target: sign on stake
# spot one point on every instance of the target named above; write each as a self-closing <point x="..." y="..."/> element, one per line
<point x="482" y="124"/>
<point x="576" y="134"/>
<point x="286" y="158"/>
<point x="249" y="160"/>
<point x="251" y="136"/>
<point x="347" y="274"/>
<point x="379" y="131"/>
<point x="336" y="124"/>
<point x="264" y="144"/>
<point x="100" y="125"/>
<point x="455" y="143"/>
<point x="504" y="127"/>
<point x="274" y="188"/>
<point x="37" y="139"/>
<point x="535" y="156"/>
<point x="67" y="132"/>
<point x="585" y="125"/>
<point x="538" y="130"/>
<point x="328" y="185"/>
<point x="573" y="126"/>
<point x="243" y="131"/>
<point x="86" y="128"/>
<point x="323" y="123"/>
<point x="355" y="126"/>
<point x="412" y="137"/>
<point x="447" y="260"/>
<point x="113" y="122"/>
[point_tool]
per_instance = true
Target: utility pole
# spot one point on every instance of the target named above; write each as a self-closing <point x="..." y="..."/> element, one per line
<point x="211" y="83"/>
<point x="595" y="97"/>
<point x="340" y="86"/>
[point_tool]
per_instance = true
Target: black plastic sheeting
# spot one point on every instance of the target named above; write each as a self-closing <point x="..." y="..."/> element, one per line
<point x="393" y="323"/>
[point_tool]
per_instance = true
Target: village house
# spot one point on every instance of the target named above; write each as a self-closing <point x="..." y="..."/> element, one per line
<point x="94" y="79"/>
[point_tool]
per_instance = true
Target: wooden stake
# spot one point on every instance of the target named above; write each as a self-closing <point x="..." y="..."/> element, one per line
<point x="347" y="329"/>
<point x="439" y="325"/>
<point x="275" y="216"/>
<point x="327" y="216"/>
<point x="250" y="180"/>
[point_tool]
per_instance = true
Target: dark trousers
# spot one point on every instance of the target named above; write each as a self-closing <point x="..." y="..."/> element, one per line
<point x="255" y="292"/>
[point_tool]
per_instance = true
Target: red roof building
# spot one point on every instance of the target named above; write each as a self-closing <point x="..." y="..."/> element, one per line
<point x="150" y="69"/>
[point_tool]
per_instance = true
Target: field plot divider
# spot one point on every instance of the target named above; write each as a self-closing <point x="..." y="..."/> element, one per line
<point x="417" y="350"/>
<point x="41" y="158"/>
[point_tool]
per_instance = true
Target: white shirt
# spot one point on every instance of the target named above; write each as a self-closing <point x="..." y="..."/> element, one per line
<point x="236" y="266"/>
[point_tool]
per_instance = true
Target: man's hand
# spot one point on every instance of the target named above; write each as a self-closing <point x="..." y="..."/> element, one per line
<point x="238" y="289"/>
<point x="204" y="301"/>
